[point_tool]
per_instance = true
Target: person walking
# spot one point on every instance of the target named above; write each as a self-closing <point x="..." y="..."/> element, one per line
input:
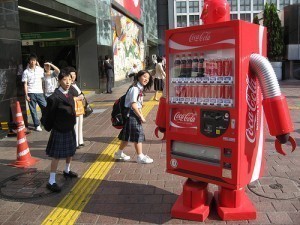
<point x="32" y="78"/>
<point x="133" y="129"/>
<point x="50" y="78"/>
<point x="76" y="92"/>
<point x="109" y="74"/>
<point x="159" y="78"/>
<point x="60" y="116"/>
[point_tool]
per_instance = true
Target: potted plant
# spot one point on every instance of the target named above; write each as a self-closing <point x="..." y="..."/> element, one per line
<point x="275" y="43"/>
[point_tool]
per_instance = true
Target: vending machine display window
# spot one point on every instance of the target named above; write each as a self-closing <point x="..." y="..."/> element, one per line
<point x="211" y="155"/>
<point x="202" y="78"/>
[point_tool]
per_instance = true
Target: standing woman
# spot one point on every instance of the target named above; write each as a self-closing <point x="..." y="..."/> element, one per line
<point x="159" y="78"/>
<point x="133" y="129"/>
<point x="60" y="116"/>
<point x="76" y="92"/>
<point x="50" y="78"/>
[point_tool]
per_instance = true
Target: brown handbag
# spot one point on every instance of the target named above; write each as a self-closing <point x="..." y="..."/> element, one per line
<point x="79" y="108"/>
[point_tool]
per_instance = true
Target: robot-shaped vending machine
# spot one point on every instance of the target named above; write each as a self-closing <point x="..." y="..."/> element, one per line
<point x="219" y="88"/>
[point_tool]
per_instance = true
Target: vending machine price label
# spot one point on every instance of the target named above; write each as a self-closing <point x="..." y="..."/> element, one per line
<point x="212" y="101"/>
<point x="198" y="79"/>
<point x="185" y="80"/>
<point x="181" y="100"/>
<point x="205" y="101"/>
<point x="199" y="100"/>
<point x="228" y="79"/>
<point x="219" y="101"/>
<point x="187" y="99"/>
<point x="193" y="100"/>
<point x="179" y="80"/>
<point x="219" y="79"/>
<point x="212" y="79"/>
<point x="205" y="79"/>
<point x="192" y="80"/>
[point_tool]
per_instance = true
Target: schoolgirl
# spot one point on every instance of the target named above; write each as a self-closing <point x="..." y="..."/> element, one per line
<point x="60" y="116"/>
<point x="133" y="129"/>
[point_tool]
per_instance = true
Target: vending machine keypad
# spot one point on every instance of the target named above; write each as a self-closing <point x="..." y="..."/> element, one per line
<point x="214" y="123"/>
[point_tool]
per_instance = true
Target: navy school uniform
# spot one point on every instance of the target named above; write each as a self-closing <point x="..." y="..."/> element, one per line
<point x="133" y="129"/>
<point x="61" y="113"/>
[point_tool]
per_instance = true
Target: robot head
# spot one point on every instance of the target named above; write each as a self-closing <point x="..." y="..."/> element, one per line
<point x="215" y="11"/>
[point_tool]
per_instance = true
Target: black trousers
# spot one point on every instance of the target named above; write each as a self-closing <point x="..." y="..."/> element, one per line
<point x="109" y="84"/>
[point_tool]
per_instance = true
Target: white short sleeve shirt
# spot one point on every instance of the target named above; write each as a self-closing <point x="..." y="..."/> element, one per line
<point x="135" y="95"/>
<point x="33" y="77"/>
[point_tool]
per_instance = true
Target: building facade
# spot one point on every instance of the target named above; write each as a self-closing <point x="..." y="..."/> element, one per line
<point x="73" y="33"/>
<point x="187" y="12"/>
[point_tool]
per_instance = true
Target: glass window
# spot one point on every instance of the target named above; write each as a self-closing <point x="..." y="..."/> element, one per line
<point x="233" y="17"/>
<point x="272" y="1"/>
<point x="296" y="1"/>
<point x="245" y="5"/>
<point x="258" y="5"/>
<point x="246" y="17"/>
<point x="194" y="20"/>
<point x="233" y="5"/>
<point x="283" y="3"/>
<point x="181" y="21"/>
<point x="181" y="7"/>
<point x="193" y="6"/>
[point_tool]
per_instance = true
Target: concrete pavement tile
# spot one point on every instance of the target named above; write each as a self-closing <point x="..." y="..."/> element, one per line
<point x="284" y="206"/>
<point x="116" y="177"/>
<point x="279" y="218"/>
<point x="161" y="208"/>
<point x="87" y="218"/>
<point x="295" y="217"/>
<point x="261" y="218"/>
<point x="264" y="207"/>
<point x="108" y="219"/>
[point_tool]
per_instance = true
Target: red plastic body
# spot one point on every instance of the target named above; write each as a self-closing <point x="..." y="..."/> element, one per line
<point x="160" y="120"/>
<point x="215" y="11"/>
<point x="278" y="115"/>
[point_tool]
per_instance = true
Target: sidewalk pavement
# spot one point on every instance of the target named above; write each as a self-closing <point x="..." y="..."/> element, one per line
<point x="109" y="192"/>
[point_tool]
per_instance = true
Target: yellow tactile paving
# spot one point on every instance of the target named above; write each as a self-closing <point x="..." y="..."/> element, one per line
<point x="70" y="207"/>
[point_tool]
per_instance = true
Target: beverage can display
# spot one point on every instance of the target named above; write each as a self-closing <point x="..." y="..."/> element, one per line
<point x="220" y="91"/>
<point x="213" y="91"/>
<point x="206" y="91"/>
<point x="200" y="91"/>
<point x="219" y="65"/>
<point x="227" y="91"/>
<point x="227" y="67"/>
<point x="195" y="66"/>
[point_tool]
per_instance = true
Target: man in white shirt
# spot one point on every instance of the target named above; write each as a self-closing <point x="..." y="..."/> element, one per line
<point x="32" y="78"/>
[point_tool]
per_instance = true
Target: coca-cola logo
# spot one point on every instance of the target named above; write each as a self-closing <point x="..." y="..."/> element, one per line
<point x="185" y="117"/>
<point x="199" y="37"/>
<point x="251" y="117"/>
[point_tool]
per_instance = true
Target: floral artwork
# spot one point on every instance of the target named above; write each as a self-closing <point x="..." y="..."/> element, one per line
<point x="128" y="45"/>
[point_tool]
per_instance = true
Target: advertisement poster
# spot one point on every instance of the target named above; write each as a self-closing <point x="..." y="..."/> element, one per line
<point x="128" y="45"/>
<point x="133" y="6"/>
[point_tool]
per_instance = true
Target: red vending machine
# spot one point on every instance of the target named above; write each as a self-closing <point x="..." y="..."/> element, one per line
<point x="214" y="126"/>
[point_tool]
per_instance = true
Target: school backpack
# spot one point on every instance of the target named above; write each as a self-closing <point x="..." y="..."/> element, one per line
<point x="119" y="112"/>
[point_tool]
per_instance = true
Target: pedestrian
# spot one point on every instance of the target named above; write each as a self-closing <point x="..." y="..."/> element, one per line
<point x="133" y="129"/>
<point x="32" y="78"/>
<point x="159" y="78"/>
<point x="109" y="73"/>
<point x="60" y="113"/>
<point x="76" y="92"/>
<point x="50" y="78"/>
<point x="133" y="71"/>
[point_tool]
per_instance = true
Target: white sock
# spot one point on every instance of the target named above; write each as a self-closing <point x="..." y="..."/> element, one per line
<point x="141" y="156"/>
<point x="52" y="178"/>
<point x="120" y="152"/>
<point x="67" y="168"/>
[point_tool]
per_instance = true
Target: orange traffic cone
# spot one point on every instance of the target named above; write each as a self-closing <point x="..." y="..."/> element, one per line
<point x="24" y="158"/>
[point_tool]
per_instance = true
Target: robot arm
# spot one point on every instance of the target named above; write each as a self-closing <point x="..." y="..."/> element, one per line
<point x="274" y="102"/>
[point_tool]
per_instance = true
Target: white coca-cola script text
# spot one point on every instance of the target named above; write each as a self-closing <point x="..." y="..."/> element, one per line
<point x="185" y="117"/>
<point x="199" y="37"/>
<point x="251" y="117"/>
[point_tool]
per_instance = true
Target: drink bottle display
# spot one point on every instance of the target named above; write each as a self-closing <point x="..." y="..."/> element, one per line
<point x="183" y="62"/>
<point x="201" y="66"/>
<point x="177" y="66"/>
<point x="195" y="69"/>
<point x="189" y="63"/>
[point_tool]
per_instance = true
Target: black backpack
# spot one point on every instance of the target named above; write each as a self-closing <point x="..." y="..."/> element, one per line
<point x="119" y="112"/>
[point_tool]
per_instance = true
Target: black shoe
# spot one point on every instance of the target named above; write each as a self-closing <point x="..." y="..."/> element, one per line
<point x="54" y="187"/>
<point x="81" y="144"/>
<point x="70" y="174"/>
<point x="78" y="147"/>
